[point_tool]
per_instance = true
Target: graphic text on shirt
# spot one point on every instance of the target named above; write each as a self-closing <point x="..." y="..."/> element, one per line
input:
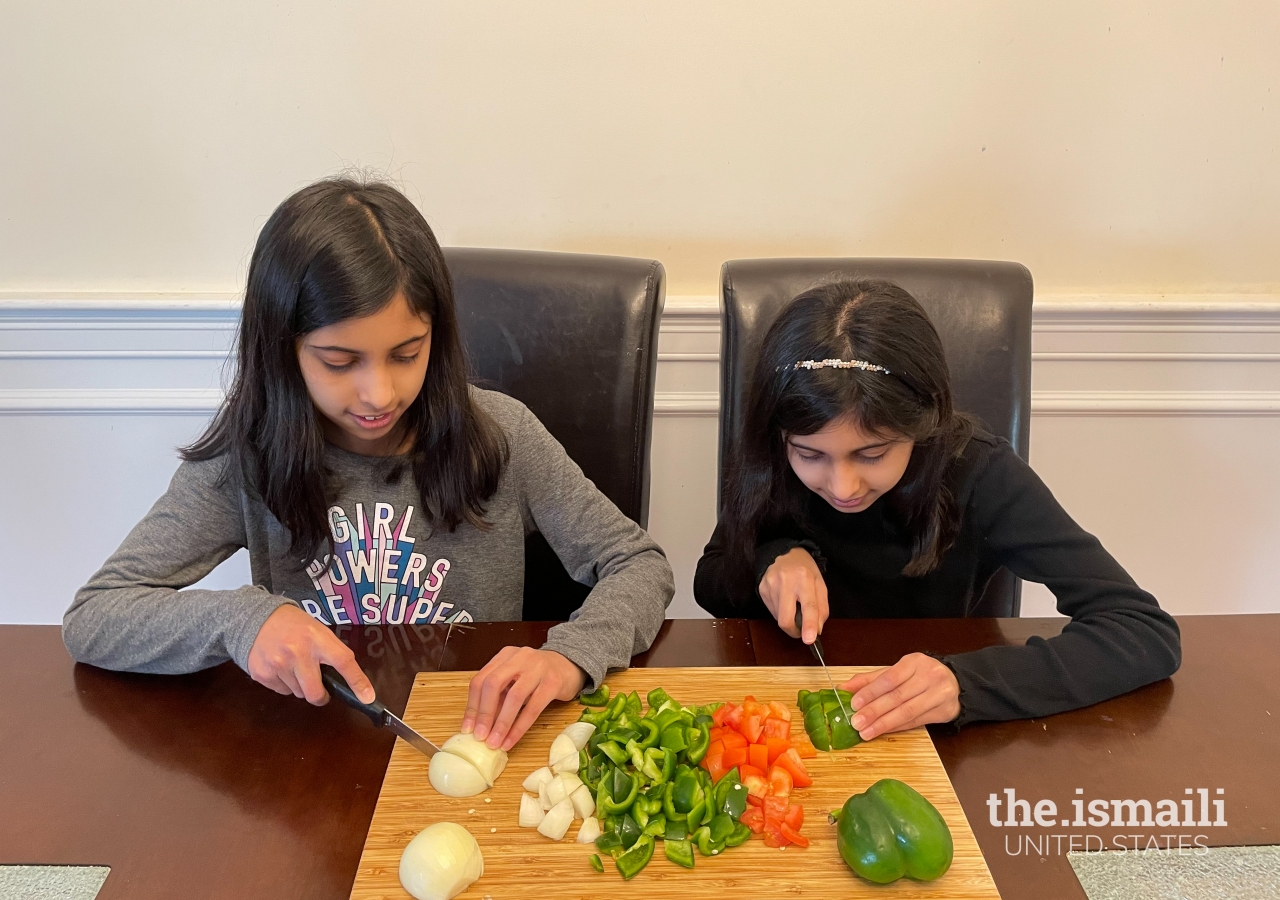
<point x="375" y="577"/>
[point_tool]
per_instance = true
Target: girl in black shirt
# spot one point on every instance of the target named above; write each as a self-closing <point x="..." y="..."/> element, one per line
<point x="858" y="491"/>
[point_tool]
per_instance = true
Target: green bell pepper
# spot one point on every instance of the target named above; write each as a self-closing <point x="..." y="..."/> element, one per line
<point x="617" y="797"/>
<point x="596" y="864"/>
<point x="656" y="826"/>
<point x="721" y="827"/>
<point x="731" y="795"/>
<point x="657" y="697"/>
<point x="679" y="852"/>
<point x="667" y="718"/>
<point x="687" y="793"/>
<point x="598" y="697"/>
<point x="650" y="732"/>
<point x="707" y="846"/>
<point x="676" y="830"/>
<point x="698" y="737"/>
<point x="633" y="704"/>
<point x="615" y="707"/>
<point x="614" y="752"/>
<point x="668" y="807"/>
<point x="740" y="835"/>
<point x="630" y="831"/>
<point x="658" y="765"/>
<point x="891" y="831"/>
<point x="673" y="738"/>
<point x="608" y="842"/>
<point x="598" y="718"/>
<point x="630" y="863"/>
<point x="842" y="734"/>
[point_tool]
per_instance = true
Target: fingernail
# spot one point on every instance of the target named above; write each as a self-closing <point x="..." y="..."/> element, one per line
<point x="467" y="725"/>
<point x="368" y="696"/>
<point x="858" y="722"/>
<point x="482" y="731"/>
<point x="494" y="741"/>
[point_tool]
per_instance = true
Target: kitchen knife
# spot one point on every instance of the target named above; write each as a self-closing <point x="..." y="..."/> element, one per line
<point x="377" y="713"/>
<point x="816" y="647"/>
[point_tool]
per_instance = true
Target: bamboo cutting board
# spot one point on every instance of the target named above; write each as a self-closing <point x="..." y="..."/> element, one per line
<point x="521" y="864"/>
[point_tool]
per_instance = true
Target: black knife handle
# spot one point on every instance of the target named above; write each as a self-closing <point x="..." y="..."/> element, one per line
<point x="336" y="684"/>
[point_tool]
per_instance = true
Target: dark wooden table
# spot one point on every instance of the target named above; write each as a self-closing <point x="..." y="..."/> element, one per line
<point x="207" y="785"/>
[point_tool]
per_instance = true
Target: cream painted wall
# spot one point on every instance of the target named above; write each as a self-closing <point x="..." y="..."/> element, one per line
<point x="1108" y="146"/>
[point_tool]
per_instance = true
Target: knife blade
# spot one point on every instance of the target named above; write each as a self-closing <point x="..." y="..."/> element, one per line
<point x="816" y="648"/>
<point x="378" y="714"/>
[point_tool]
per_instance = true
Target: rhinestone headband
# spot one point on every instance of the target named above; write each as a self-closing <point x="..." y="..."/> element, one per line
<point x="841" y="364"/>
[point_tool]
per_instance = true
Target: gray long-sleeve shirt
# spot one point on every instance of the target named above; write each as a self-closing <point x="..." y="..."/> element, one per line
<point x="389" y="566"/>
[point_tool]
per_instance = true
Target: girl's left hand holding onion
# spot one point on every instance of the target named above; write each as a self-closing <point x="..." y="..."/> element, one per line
<point x="916" y="690"/>
<point x="512" y="690"/>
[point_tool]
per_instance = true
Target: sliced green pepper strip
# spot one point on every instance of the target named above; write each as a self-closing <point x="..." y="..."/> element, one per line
<point x="649" y="734"/>
<point x="842" y="734"/>
<point x="668" y="765"/>
<point x="596" y="718"/>
<point x="698" y="740"/>
<point x="620" y="736"/>
<point x="640" y="814"/>
<point x="615" y="801"/>
<point x="657" y="697"/>
<point x="667" y="718"/>
<point x="627" y="722"/>
<point x="740" y="835"/>
<point x="815" y="725"/>
<point x="609" y="841"/>
<point x="651" y="764"/>
<point x="668" y="808"/>
<point x="698" y="814"/>
<point x="633" y="704"/>
<point x="629" y="831"/>
<point x="676" y="830"/>
<point x="630" y="863"/>
<point x="805" y="699"/>
<point x="673" y="738"/>
<point x="614" y="752"/>
<point x="687" y="793"/>
<point x="721" y="827"/>
<point x="731" y="795"/>
<point x="636" y="755"/>
<point x="615" y="707"/>
<point x="703" y="719"/>
<point x="596" y="864"/>
<point x="611" y="823"/>
<point x="598" y="697"/>
<point x="679" y="852"/>
<point x="706" y="846"/>
<point x="657" y="825"/>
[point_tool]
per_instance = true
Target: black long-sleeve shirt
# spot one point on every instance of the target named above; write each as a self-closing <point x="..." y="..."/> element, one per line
<point x="1118" y="638"/>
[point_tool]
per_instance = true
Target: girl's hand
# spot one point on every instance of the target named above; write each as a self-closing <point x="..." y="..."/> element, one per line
<point x="794" y="578"/>
<point x="509" y="693"/>
<point x="916" y="690"/>
<point x="287" y="653"/>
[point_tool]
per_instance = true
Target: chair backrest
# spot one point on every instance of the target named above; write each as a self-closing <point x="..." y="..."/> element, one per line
<point x="981" y="308"/>
<point x="574" y="337"/>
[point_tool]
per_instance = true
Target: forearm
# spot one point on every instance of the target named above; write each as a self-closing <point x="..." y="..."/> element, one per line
<point x="620" y="617"/>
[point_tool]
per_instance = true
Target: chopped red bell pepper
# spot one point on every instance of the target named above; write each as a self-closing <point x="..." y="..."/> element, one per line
<point x="773" y="836"/>
<point x="735" y="757"/>
<point x="752" y="727"/>
<point x="803" y="746"/>
<point x="721" y="713"/>
<point x="744" y="771"/>
<point x="732" y="740"/>
<point x="758" y="756"/>
<point x="795" y="816"/>
<point x="793" y="836"/>
<point x="779" y="711"/>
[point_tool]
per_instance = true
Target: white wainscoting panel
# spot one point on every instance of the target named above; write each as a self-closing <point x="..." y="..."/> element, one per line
<point x="1156" y="422"/>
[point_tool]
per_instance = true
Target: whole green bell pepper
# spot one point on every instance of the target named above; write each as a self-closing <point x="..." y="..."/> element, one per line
<point x="891" y="831"/>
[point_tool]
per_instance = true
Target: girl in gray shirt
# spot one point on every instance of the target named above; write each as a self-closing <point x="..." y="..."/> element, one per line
<point x="371" y="484"/>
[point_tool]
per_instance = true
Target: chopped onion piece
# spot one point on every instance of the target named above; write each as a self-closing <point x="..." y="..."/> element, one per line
<point x="561" y="747"/>
<point x="557" y="820"/>
<point x="556" y="791"/>
<point x="584" y="805"/>
<point x="589" y="831"/>
<point x="579" y="733"/>
<point x="531" y="812"/>
<point x="542" y="796"/>
<point x="571" y="782"/>
<point x="537" y="778"/>
<point x="569" y="763"/>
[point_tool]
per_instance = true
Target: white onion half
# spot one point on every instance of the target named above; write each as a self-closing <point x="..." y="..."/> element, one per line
<point x="454" y="776"/>
<point x="488" y="761"/>
<point x="441" y="862"/>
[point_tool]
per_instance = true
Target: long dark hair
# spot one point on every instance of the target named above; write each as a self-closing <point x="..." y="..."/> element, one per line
<point x="880" y="323"/>
<point x="336" y="250"/>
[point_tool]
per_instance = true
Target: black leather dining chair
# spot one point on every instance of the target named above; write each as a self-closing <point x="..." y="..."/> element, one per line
<point x="575" y="338"/>
<point x="981" y="308"/>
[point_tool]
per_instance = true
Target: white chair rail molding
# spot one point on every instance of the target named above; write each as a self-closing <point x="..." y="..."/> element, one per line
<point x="1155" y="420"/>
